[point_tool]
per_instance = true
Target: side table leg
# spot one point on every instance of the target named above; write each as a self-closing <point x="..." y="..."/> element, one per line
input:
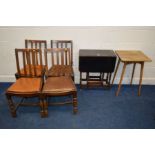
<point x="120" y="82"/>
<point x="133" y="71"/>
<point x="141" y="77"/>
<point x="115" y="71"/>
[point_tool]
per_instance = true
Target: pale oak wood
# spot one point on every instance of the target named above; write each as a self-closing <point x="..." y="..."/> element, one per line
<point x="131" y="57"/>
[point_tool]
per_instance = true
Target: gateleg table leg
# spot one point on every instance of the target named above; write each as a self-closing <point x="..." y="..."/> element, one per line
<point x="80" y="80"/>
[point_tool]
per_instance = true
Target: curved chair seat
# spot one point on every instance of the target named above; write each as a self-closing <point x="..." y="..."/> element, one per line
<point x="59" y="86"/>
<point x="26" y="86"/>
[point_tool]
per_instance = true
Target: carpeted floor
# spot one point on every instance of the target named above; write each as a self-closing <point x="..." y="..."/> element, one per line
<point x="98" y="109"/>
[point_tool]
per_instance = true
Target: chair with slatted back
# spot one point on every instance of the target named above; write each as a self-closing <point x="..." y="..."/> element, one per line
<point x="58" y="84"/>
<point x="65" y="69"/>
<point x="58" y="62"/>
<point x="35" y="44"/>
<point x="29" y="85"/>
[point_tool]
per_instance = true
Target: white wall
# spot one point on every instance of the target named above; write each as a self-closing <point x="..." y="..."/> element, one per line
<point x="139" y="38"/>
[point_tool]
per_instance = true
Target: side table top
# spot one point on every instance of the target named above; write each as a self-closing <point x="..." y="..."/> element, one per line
<point x="132" y="56"/>
<point x="96" y="53"/>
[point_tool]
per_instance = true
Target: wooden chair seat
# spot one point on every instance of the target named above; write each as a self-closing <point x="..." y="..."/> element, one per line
<point x="57" y="85"/>
<point x="26" y="86"/>
<point x="61" y="70"/>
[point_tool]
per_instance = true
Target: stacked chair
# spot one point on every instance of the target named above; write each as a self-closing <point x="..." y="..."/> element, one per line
<point x="43" y="78"/>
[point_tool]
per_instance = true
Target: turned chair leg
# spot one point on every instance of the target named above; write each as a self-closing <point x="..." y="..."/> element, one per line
<point x="11" y="105"/>
<point x="45" y="107"/>
<point x="75" y="108"/>
<point x="42" y="108"/>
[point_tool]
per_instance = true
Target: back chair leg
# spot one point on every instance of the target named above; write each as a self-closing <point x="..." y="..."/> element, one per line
<point x="75" y="108"/>
<point x="45" y="107"/>
<point x="11" y="105"/>
<point x="42" y="108"/>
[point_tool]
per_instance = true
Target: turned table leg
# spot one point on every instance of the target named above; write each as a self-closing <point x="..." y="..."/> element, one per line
<point x="75" y="105"/>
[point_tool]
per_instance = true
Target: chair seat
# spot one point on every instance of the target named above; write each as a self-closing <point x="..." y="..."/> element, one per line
<point x="26" y="86"/>
<point x="61" y="70"/>
<point x="59" y="85"/>
<point x="39" y="70"/>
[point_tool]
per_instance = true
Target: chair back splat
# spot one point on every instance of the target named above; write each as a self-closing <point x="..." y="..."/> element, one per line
<point x="63" y="44"/>
<point x="29" y="62"/>
<point x="37" y="44"/>
<point x="57" y="56"/>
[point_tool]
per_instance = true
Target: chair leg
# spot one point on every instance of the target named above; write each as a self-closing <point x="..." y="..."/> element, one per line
<point x="75" y="108"/>
<point x="11" y="105"/>
<point x="45" y="107"/>
<point x="42" y="108"/>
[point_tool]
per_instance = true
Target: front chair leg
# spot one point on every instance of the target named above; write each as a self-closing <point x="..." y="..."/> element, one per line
<point x="11" y="105"/>
<point x="41" y="104"/>
<point x="75" y="108"/>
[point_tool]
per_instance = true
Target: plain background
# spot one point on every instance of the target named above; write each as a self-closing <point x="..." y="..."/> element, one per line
<point x="77" y="13"/>
<point x="84" y="37"/>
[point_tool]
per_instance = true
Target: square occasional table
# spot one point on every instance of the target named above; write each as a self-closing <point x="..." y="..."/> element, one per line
<point x="130" y="57"/>
<point x="96" y="61"/>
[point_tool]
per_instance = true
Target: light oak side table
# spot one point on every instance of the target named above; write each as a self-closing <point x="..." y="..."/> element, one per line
<point x="128" y="57"/>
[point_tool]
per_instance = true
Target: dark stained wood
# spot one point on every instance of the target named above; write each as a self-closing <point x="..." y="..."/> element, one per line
<point x="96" y="61"/>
